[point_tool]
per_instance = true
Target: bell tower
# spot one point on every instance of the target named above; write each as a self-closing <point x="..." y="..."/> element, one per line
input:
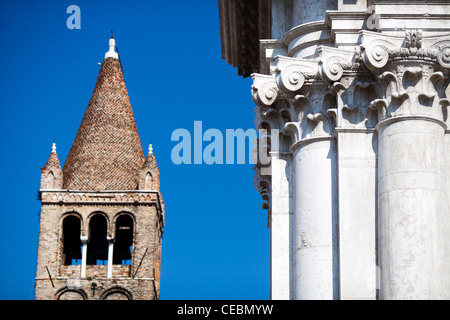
<point x="102" y="214"/>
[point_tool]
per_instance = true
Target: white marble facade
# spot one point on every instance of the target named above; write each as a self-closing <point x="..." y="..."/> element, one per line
<point x="355" y="95"/>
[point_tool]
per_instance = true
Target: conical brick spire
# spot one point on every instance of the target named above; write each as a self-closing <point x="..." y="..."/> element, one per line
<point x="107" y="152"/>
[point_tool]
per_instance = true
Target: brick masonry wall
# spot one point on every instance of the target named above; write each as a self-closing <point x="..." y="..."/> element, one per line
<point x="136" y="281"/>
<point x="96" y="289"/>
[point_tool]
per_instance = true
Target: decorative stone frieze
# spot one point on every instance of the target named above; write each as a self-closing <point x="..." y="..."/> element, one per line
<point x="113" y="198"/>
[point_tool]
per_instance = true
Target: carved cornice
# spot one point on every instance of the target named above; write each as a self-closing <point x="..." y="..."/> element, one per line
<point x="66" y="197"/>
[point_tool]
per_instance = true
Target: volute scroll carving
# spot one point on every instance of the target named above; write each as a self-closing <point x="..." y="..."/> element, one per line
<point x="443" y="56"/>
<point x="264" y="90"/>
<point x="292" y="73"/>
<point x="376" y="53"/>
<point x="333" y="68"/>
<point x="334" y="61"/>
<point x="290" y="78"/>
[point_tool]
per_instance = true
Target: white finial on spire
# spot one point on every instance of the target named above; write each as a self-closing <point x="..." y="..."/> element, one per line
<point x="112" y="53"/>
<point x="150" y="149"/>
<point x="54" y="147"/>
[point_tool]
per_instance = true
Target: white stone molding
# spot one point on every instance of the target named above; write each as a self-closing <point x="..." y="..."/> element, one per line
<point x="302" y="41"/>
<point x="106" y="197"/>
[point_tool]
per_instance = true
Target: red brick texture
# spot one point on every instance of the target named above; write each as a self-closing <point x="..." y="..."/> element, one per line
<point x="107" y="152"/>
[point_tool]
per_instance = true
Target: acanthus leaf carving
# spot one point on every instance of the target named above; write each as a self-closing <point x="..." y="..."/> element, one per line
<point x="444" y="102"/>
<point x="392" y="80"/>
<point x="293" y="129"/>
<point x="353" y="102"/>
<point x="413" y="38"/>
<point x="317" y="117"/>
<point x="381" y="106"/>
<point x="323" y="125"/>
<point x="353" y="96"/>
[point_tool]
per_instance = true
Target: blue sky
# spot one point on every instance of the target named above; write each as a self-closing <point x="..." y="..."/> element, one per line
<point x="215" y="243"/>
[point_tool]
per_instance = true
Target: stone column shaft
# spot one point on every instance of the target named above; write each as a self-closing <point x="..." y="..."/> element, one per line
<point x="315" y="218"/>
<point x="110" y="256"/>
<point x="411" y="203"/>
<point x="84" y="241"/>
<point x="357" y="213"/>
<point x="280" y="231"/>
